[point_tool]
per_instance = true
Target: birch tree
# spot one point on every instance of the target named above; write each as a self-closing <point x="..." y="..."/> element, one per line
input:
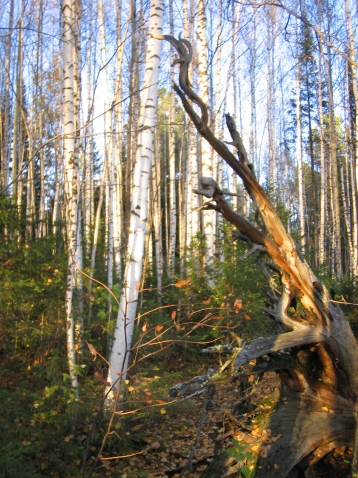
<point x="71" y="178"/>
<point x="205" y="149"/>
<point x="139" y="200"/>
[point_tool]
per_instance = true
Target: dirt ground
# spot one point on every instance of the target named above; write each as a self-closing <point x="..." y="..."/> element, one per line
<point x="233" y="422"/>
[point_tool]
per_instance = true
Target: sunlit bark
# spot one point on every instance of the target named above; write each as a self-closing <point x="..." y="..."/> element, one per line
<point x="139" y="200"/>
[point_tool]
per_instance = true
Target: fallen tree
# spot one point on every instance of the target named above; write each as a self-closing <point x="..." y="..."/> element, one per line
<point x="319" y="378"/>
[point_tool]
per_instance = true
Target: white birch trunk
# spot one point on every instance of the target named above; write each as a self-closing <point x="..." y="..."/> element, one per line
<point x="207" y="170"/>
<point x="323" y="161"/>
<point x="71" y="178"/>
<point x="139" y="203"/>
<point x="88" y="196"/>
<point x="172" y="175"/>
<point x="17" y="146"/>
<point x="41" y="229"/>
<point x="6" y="141"/>
<point x="301" y="186"/>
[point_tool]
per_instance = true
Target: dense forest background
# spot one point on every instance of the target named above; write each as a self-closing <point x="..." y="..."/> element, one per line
<point x="72" y="89"/>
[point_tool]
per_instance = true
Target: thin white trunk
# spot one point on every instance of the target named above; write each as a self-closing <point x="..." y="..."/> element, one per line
<point x="207" y="170"/>
<point x="157" y="219"/>
<point x="139" y="200"/>
<point x="301" y="185"/>
<point x="6" y="140"/>
<point x="95" y="241"/>
<point x="172" y="173"/>
<point x="71" y="177"/>
<point x="88" y="196"/>
<point x="41" y="229"/>
<point x="271" y="14"/>
<point x="323" y="186"/>
<point x="17" y="141"/>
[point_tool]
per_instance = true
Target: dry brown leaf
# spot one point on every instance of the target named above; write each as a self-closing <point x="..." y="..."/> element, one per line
<point x="173" y="314"/>
<point x="247" y="317"/>
<point x="238" y="305"/>
<point x="92" y="350"/>
<point x="137" y="287"/>
<point x="207" y="301"/>
<point x="182" y="283"/>
<point x="158" y="328"/>
<point x="145" y="327"/>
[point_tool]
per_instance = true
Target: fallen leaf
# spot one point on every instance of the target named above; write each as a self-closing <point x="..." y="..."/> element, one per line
<point x="247" y="317"/>
<point x="207" y="301"/>
<point x="163" y="411"/>
<point x="325" y="409"/>
<point x="173" y="314"/>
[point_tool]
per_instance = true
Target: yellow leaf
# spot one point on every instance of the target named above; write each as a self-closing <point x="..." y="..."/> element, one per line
<point x="145" y="327"/>
<point x="131" y="389"/>
<point x="163" y="411"/>
<point x="117" y="425"/>
<point x="254" y="448"/>
<point x="66" y="439"/>
<point x="325" y="409"/>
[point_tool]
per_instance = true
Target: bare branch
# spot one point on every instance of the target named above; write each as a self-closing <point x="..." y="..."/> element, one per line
<point x="306" y="22"/>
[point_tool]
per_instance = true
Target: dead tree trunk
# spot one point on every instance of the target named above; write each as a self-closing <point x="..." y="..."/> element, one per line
<point x="320" y="376"/>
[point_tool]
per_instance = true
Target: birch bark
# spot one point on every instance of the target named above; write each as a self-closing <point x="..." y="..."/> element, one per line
<point x="323" y="184"/>
<point x="209" y="216"/>
<point x="5" y="149"/>
<point x="301" y="187"/>
<point x="172" y="188"/>
<point x="139" y="203"/>
<point x="71" y="178"/>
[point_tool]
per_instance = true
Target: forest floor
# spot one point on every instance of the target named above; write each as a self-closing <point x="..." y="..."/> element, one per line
<point x="237" y="425"/>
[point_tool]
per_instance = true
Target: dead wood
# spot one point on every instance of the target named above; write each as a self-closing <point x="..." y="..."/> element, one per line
<point x="321" y="381"/>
